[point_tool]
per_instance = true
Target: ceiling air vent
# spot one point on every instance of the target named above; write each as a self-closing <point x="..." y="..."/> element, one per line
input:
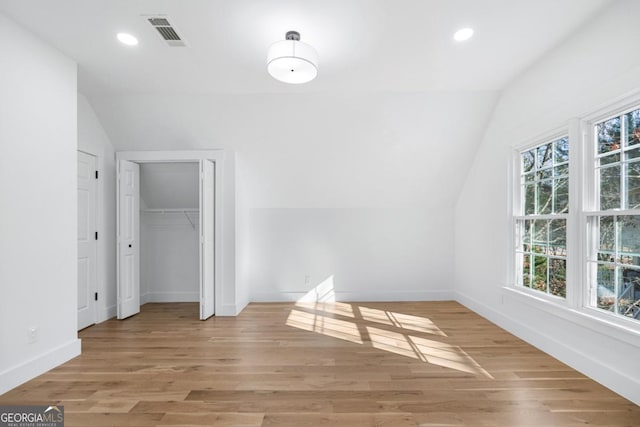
<point x="166" y="30"/>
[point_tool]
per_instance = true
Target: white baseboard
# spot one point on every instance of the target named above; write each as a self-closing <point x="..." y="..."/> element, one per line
<point x="30" y="369"/>
<point x="169" y="297"/>
<point x="106" y="313"/>
<point x="595" y="369"/>
<point x="359" y="296"/>
<point x="227" y="310"/>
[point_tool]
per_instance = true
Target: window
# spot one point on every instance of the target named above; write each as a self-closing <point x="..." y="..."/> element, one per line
<point x="613" y="255"/>
<point x="580" y="250"/>
<point x="541" y="227"/>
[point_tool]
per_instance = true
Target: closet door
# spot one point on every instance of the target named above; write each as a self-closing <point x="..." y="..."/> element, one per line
<point x="87" y="244"/>
<point x="207" y="234"/>
<point x="128" y="219"/>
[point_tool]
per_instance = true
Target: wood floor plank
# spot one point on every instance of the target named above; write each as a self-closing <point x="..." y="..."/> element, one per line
<point x="325" y="364"/>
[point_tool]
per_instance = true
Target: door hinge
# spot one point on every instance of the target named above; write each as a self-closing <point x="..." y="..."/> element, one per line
<point x="95" y="296"/>
<point x="96" y="235"/>
<point x="96" y="174"/>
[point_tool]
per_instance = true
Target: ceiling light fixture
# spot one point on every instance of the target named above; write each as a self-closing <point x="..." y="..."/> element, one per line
<point x="463" y="34"/>
<point x="127" y="39"/>
<point x="292" y="61"/>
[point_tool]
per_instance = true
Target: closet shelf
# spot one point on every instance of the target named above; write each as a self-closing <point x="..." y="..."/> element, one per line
<point x="186" y="213"/>
<point x="169" y="210"/>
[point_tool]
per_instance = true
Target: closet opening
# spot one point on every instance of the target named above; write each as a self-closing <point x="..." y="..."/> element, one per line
<point x="169" y="233"/>
<point x="169" y="207"/>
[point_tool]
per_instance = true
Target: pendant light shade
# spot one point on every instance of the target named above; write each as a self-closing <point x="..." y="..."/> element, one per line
<point x="292" y="61"/>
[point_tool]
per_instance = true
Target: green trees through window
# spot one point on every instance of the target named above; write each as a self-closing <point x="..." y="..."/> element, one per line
<point x="618" y="161"/>
<point x="614" y="261"/>
<point x="542" y="245"/>
<point x="607" y="200"/>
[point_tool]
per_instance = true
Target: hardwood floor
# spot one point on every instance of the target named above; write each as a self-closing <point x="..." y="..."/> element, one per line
<point x="340" y="364"/>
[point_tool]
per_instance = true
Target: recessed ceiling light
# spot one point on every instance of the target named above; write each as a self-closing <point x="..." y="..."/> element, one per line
<point x="463" y="34"/>
<point x="127" y="39"/>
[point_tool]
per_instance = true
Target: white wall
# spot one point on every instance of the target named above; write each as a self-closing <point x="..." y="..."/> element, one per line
<point x="243" y="240"/>
<point x="38" y="246"/>
<point x="170" y="257"/>
<point x="170" y="185"/>
<point x="595" y="66"/>
<point x="378" y="172"/>
<point x="93" y="140"/>
<point x="370" y="253"/>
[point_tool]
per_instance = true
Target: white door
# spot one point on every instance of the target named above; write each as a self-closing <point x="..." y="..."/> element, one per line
<point x="207" y="234"/>
<point x="87" y="235"/>
<point x="128" y="218"/>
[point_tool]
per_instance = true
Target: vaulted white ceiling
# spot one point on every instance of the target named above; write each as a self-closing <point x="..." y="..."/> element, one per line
<point x="363" y="44"/>
<point x="394" y="117"/>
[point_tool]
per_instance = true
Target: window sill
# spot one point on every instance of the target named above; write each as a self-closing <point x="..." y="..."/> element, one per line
<point x="585" y="317"/>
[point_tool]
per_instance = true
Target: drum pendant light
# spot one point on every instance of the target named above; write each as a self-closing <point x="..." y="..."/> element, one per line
<point x="292" y="61"/>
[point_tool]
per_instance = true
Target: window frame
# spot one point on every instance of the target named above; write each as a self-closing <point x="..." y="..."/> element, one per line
<point x="590" y="200"/>
<point x="517" y="214"/>
<point x="577" y="307"/>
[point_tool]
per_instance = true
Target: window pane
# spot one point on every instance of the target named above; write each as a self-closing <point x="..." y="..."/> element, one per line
<point x="539" y="234"/>
<point x="528" y="160"/>
<point x="557" y="277"/>
<point x="610" y="188"/>
<point x="606" y="249"/>
<point x="540" y="273"/>
<point x="529" y="177"/>
<point x="634" y="153"/>
<point x="544" y="174"/>
<point x="609" y="159"/>
<point x="606" y="286"/>
<point x="526" y="270"/>
<point x="529" y="199"/>
<point x="633" y="127"/>
<point x="618" y="249"/>
<point x="561" y="196"/>
<point x="629" y="239"/>
<point x="558" y="237"/>
<point x="608" y="134"/>
<point x="544" y="196"/>
<point x="544" y="190"/>
<point x="526" y="236"/>
<point x="629" y="293"/>
<point x="633" y="185"/>
<point x="561" y="152"/>
<point x="561" y="171"/>
<point x="544" y="155"/>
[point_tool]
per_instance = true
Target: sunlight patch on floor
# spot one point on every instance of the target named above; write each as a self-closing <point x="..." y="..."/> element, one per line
<point x="433" y="352"/>
<point x="339" y="308"/>
<point x="317" y="311"/>
<point x="401" y="343"/>
<point x="335" y="328"/>
<point x="399" y="320"/>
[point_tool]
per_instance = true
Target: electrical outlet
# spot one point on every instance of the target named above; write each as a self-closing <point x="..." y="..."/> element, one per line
<point x="32" y="334"/>
<point x="307" y="280"/>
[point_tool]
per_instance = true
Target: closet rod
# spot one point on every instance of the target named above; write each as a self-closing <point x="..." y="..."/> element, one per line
<point x="169" y="210"/>
<point x="184" y="211"/>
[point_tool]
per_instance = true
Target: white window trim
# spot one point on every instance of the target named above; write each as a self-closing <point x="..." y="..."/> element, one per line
<point x="617" y="108"/>
<point x="515" y="213"/>
<point x="576" y="307"/>
<point x="590" y="318"/>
